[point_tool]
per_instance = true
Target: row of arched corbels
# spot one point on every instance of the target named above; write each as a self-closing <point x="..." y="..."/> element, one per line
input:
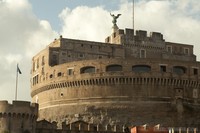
<point x="17" y="115"/>
<point x="109" y="81"/>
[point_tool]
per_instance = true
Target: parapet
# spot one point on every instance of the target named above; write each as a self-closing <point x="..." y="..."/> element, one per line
<point x="21" y="103"/>
<point x="18" y="107"/>
<point x="156" y="36"/>
<point x="153" y="35"/>
<point x="129" y="34"/>
<point x="141" y="33"/>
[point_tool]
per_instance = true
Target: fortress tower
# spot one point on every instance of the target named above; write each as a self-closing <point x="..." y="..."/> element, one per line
<point x="19" y="117"/>
<point x="133" y="79"/>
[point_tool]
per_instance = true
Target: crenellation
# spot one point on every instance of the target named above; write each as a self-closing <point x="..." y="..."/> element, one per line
<point x="156" y="36"/>
<point x="21" y="103"/>
<point x="129" y="32"/>
<point x="18" y="116"/>
<point x="141" y="34"/>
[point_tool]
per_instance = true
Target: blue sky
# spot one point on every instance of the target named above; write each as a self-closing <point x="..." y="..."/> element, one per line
<point x="49" y="9"/>
<point x="28" y="26"/>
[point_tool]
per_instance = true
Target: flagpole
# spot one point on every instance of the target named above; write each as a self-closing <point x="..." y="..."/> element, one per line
<point x="16" y="84"/>
<point x="133" y="15"/>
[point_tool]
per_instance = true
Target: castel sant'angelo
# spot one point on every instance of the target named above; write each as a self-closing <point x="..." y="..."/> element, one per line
<point x="130" y="79"/>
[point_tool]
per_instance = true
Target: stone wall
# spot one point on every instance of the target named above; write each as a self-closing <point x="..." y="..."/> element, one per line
<point x="146" y="96"/>
<point x="18" y="117"/>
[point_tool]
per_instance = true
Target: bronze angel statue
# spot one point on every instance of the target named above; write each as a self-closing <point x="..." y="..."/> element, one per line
<point x="114" y="21"/>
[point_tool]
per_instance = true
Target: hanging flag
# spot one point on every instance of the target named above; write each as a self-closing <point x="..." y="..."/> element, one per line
<point x="18" y="70"/>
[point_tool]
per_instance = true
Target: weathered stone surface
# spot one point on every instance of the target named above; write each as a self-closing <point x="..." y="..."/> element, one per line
<point x="130" y="79"/>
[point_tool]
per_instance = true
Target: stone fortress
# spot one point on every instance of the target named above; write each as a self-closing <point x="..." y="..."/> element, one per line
<point x="130" y="79"/>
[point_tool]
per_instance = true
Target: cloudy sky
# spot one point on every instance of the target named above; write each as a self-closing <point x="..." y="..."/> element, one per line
<point x="27" y="26"/>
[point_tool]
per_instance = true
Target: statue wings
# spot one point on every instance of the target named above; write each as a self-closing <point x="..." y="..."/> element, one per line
<point x="118" y="15"/>
<point x="115" y="16"/>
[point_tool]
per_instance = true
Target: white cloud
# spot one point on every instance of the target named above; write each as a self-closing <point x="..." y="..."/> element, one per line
<point x="22" y="35"/>
<point x="86" y="23"/>
<point x="172" y="18"/>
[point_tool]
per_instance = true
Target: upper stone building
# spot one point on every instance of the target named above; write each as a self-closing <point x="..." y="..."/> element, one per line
<point x="129" y="79"/>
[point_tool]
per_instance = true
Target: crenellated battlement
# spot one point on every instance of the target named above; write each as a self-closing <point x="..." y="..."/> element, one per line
<point x="18" y="116"/>
<point x="18" y="106"/>
<point x="121" y="36"/>
<point x="152" y="35"/>
<point x="18" y="109"/>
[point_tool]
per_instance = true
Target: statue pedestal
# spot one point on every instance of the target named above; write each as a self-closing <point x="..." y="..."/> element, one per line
<point x="114" y="28"/>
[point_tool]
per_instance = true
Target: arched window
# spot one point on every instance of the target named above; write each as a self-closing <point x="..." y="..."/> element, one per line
<point x="87" y="69"/>
<point x="141" y="68"/>
<point x="51" y="76"/>
<point x="179" y="70"/>
<point x="113" y="68"/>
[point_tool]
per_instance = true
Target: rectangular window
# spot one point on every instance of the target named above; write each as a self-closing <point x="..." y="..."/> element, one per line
<point x="38" y="63"/>
<point x="70" y="71"/>
<point x="81" y="55"/>
<point x="169" y="49"/>
<point x="34" y="66"/>
<point x="195" y="93"/>
<point x="195" y="71"/>
<point x="186" y="51"/>
<point x="163" y="68"/>
<point x="142" y="53"/>
<point x="43" y="61"/>
<point x="59" y="74"/>
<point x="35" y="79"/>
<point x="42" y="70"/>
<point x="114" y="35"/>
